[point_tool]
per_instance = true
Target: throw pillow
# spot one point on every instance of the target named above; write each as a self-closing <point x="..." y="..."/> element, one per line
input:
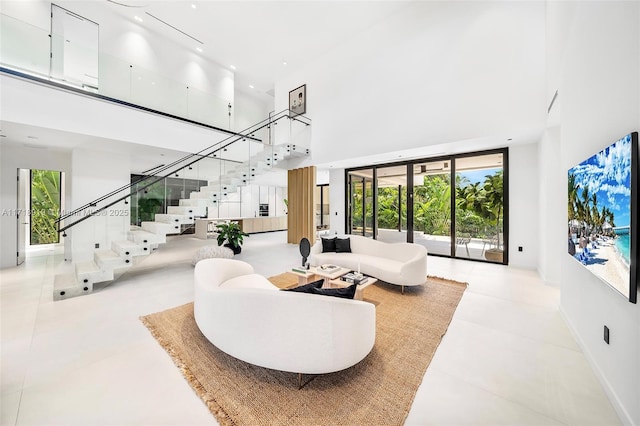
<point x="307" y="287"/>
<point x="328" y="245"/>
<point x="343" y="245"/>
<point x="346" y="293"/>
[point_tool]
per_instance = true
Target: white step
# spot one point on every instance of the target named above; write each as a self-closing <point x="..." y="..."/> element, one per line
<point x="108" y="260"/>
<point x="296" y="151"/>
<point x="203" y="195"/>
<point x="187" y="211"/>
<point x="66" y="286"/>
<point x="127" y="248"/>
<point x="146" y="239"/>
<point x="174" y="219"/>
<point x="160" y="229"/>
<point x="88" y="273"/>
<point x="194" y="202"/>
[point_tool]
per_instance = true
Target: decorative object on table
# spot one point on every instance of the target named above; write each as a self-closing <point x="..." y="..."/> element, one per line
<point x="328" y="268"/>
<point x="354" y="278"/>
<point x="232" y="234"/>
<point x="305" y="249"/>
<point x="298" y="100"/>
<point x="210" y="252"/>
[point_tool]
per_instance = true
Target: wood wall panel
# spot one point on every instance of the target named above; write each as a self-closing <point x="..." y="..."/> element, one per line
<point x="300" y="195"/>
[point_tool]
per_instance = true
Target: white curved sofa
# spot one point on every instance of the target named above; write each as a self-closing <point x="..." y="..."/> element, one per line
<point x="403" y="264"/>
<point x="247" y="317"/>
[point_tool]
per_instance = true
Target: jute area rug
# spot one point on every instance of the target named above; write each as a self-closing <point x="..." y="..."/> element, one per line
<point x="377" y="391"/>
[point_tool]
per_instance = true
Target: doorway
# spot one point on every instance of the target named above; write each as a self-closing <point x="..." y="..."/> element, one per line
<point x="40" y="201"/>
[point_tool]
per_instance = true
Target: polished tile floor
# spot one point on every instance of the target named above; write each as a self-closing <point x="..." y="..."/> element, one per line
<point x="507" y="358"/>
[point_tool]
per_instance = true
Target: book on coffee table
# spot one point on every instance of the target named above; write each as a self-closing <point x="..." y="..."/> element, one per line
<point x="354" y="278"/>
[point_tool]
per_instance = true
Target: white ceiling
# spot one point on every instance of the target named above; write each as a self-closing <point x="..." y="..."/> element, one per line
<point x="256" y="37"/>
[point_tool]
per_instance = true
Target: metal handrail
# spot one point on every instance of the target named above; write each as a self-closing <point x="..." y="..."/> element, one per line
<point x="200" y="155"/>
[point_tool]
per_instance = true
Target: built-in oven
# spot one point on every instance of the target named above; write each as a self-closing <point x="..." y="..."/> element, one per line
<point x="263" y="209"/>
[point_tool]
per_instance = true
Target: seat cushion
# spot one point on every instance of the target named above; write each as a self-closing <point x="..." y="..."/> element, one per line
<point x="249" y="281"/>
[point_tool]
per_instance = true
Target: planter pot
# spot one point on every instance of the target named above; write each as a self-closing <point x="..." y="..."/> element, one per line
<point x="494" y="255"/>
<point x="236" y="250"/>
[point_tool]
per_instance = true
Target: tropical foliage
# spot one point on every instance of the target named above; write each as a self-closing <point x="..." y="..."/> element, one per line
<point x="583" y="210"/>
<point x="479" y="206"/>
<point x="45" y="206"/>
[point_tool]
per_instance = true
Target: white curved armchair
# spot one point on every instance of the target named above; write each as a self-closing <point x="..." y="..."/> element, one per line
<point x="245" y="316"/>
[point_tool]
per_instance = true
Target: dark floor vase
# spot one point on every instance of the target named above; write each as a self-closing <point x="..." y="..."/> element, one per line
<point x="236" y="250"/>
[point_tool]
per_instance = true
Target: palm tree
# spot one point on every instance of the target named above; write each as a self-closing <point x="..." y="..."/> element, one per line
<point x="572" y="198"/>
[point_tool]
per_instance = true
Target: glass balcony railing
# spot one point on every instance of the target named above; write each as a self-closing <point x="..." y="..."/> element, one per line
<point x="27" y="49"/>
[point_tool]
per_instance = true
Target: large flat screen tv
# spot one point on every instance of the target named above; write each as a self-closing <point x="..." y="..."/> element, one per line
<point x="603" y="214"/>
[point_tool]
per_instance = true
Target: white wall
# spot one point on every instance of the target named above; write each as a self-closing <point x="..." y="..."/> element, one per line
<point x="13" y="157"/>
<point x="433" y="73"/>
<point x="598" y="80"/>
<point x="523" y="202"/>
<point x="95" y="173"/>
<point x="552" y="236"/>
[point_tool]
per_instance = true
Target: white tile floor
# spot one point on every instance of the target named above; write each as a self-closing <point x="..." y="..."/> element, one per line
<point x="507" y="358"/>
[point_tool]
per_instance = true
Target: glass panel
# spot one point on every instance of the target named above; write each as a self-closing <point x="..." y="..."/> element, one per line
<point x="74" y="48"/>
<point x="480" y="207"/>
<point x="24" y="46"/>
<point x="392" y="204"/>
<point x="361" y="202"/>
<point x="432" y="206"/>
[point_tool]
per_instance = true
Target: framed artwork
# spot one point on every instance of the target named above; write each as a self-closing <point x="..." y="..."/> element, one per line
<point x="298" y="100"/>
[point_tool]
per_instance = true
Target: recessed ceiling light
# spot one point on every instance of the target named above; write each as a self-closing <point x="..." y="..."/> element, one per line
<point x="251" y="86"/>
<point x="137" y="18"/>
<point x="3" y="136"/>
<point x="32" y="137"/>
<point x="161" y="155"/>
<point x="193" y="6"/>
<point x="233" y="67"/>
<point x="284" y="62"/>
<point x="199" y="49"/>
<point x="509" y="139"/>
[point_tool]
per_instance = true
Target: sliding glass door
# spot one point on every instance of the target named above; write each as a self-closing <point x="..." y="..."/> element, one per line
<point x="432" y="206"/>
<point x="360" y="208"/>
<point x="392" y="203"/>
<point x="455" y="206"/>
<point x="480" y="207"/>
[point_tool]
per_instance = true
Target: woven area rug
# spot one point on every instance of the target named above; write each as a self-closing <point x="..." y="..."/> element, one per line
<point x="377" y="391"/>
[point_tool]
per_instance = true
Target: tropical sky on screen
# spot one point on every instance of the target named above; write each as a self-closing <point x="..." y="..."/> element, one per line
<point x="608" y="173"/>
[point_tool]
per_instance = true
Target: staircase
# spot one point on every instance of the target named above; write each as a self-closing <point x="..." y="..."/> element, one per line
<point x="141" y="241"/>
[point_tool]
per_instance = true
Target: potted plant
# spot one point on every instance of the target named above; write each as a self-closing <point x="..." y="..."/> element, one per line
<point x="232" y="234"/>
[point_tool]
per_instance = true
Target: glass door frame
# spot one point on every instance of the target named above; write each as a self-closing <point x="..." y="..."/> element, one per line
<point x="409" y="199"/>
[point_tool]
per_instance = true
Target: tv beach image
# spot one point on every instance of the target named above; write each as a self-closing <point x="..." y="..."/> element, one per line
<point x="599" y="214"/>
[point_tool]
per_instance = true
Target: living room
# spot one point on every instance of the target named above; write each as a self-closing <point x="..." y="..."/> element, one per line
<point x="487" y="89"/>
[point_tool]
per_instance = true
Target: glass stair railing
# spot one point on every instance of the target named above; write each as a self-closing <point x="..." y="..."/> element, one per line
<point x="102" y="240"/>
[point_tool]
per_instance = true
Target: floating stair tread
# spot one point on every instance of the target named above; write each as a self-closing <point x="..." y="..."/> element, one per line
<point x="126" y="244"/>
<point x="107" y="254"/>
<point x="64" y="282"/>
<point x="88" y="267"/>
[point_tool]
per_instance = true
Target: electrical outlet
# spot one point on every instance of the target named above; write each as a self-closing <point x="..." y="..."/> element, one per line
<point x="606" y="334"/>
<point x="519" y="248"/>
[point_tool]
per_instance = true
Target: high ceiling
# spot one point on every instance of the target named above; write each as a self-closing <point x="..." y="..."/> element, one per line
<point x="257" y="38"/>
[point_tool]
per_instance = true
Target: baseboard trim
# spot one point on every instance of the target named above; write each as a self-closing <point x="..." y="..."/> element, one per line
<point x="625" y="418"/>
